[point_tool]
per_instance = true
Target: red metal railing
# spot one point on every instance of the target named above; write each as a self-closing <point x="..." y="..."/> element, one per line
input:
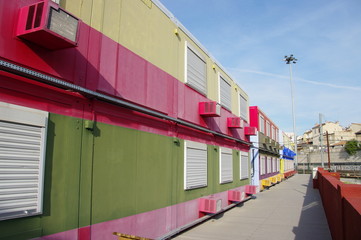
<point x="342" y="205"/>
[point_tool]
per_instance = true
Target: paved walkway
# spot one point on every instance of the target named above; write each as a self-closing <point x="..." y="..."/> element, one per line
<point x="289" y="210"/>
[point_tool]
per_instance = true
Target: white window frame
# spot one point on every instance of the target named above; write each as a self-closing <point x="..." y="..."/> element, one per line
<point x="261" y="124"/>
<point x="225" y="101"/>
<point x="243" y="104"/>
<point x="225" y="165"/>
<point x="201" y="58"/>
<point x="22" y="156"/>
<point x="244" y="164"/>
<point x="197" y="177"/>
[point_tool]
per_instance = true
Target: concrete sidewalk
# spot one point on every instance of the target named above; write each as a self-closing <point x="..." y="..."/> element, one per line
<point x="289" y="210"/>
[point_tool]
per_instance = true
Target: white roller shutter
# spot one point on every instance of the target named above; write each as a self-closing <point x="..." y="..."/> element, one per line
<point x="269" y="166"/>
<point x="195" y="165"/>
<point x="244" y="165"/>
<point x="225" y="93"/>
<point x="22" y="148"/>
<point x="226" y="165"/>
<point x="243" y="107"/>
<point x="263" y="164"/>
<point x="196" y="70"/>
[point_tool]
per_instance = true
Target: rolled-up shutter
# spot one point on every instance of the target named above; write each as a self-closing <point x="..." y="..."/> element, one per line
<point x="225" y="93"/>
<point x="244" y="165"/>
<point x="226" y="165"/>
<point x="243" y="107"/>
<point x="21" y="161"/>
<point x="195" y="165"/>
<point x="269" y="166"/>
<point x="196" y="70"/>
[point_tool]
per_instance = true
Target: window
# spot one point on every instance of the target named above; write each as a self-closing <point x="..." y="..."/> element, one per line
<point x="195" y="165"/>
<point x="261" y="123"/>
<point x="243" y="108"/>
<point x="22" y="156"/>
<point x="278" y="164"/>
<point x="196" y="72"/>
<point x="268" y="128"/>
<point x="274" y="163"/>
<point x="225" y="93"/>
<point x="273" y="133"/>
<point x="269" y="166"/>
<point x="263" y="165"/>
<point x="226" y="165"/>
<point x="244" y="165"/>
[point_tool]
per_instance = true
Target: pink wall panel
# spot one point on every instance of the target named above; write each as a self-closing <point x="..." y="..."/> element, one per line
<point x="108" y="66"/>
<point x="132" y="77"/>
<point x="160" y="94"/>
<point x="93" y="59"/>
<point x="101" y="64"/>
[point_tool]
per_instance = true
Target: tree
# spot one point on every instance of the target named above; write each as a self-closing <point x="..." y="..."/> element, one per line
<point x="352" y="147"/>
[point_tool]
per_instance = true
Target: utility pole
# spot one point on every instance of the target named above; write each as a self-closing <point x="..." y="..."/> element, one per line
<point x="290" y="59"/>
<point x="328" y="151"/>
<point x="321" y="138"/>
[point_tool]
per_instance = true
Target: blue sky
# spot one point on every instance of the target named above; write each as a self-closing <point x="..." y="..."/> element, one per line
<point x="251" y="37"/>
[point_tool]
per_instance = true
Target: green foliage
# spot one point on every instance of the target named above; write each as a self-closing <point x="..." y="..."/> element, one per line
<point x="352" y="147"/>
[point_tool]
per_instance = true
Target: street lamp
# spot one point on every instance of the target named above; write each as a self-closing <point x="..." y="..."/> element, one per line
<point x="289" y="60"/>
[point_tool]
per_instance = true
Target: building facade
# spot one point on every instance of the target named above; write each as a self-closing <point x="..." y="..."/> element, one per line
<point x="265" y="155"/>
<point x="118" y="120"/>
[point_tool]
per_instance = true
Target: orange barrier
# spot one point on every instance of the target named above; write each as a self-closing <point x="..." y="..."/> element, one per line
<point x="289" y="174"/>
<point x="342" y="205"/>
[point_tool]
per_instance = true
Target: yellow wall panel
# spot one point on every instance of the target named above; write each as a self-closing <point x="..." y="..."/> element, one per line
<point x="97" y="14"/>
<point x="142" y="27"/>
<point x="111" y="19"/>
<point x="148" y="32"/>
<point x="80" y="8"/>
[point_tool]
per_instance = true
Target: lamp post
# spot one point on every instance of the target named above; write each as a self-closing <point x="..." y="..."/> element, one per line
<point x="289" y="60"/>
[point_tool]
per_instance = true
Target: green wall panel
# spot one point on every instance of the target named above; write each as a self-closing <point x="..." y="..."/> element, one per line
<point x="114" y="173"/>
<point x="62" y="167"/>
<point x="61" y="184"/>
<point x="110" y="172"/>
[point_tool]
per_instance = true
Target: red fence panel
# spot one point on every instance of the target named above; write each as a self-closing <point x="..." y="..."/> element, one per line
<point x="342" y="205"/>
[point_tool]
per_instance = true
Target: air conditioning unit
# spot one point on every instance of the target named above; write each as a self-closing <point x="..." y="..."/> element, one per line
<point x="234" y="122"/>
<point x="46" y="24"/>
<point x="209" y="109"/>
<point x="251" y="189"/>
<point x="236" y="196"/>
<point x="210" y="205"/>
<point x="250" y="131"/>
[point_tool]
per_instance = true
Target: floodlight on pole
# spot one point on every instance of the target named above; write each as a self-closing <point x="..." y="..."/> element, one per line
<point x="292" y="60"/>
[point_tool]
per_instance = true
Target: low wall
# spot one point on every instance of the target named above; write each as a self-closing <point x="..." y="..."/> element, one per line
<point x="342" y="205"/>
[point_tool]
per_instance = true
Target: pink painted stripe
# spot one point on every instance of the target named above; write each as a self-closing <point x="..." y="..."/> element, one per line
<point x="152" y="224"/>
